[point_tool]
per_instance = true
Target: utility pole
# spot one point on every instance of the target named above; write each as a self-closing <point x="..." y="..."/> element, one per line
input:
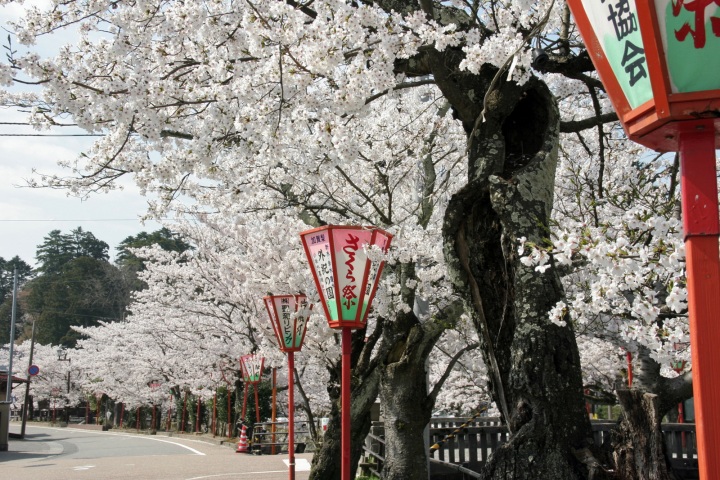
<point x="27" y="385"/>
<point x="5" y="405"/>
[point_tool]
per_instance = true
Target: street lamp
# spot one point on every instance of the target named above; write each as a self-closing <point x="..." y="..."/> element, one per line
<point x="288" y="316"/>
<point x="660" y="63"/>
<point x="346" y="263"/>
<point x="252" y="366"/>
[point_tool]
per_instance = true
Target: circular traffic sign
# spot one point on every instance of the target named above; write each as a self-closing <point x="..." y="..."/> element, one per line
<point x="33" y="370"/>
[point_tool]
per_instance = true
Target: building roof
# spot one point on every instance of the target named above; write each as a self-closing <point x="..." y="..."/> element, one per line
<point x="3" y="378"/>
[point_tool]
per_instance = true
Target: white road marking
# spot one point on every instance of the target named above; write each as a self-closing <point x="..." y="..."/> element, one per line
<point x="301" y="464"/>
<point x="84" y="467"/>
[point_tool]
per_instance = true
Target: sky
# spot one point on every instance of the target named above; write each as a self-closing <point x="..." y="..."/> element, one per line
<point x="27" y="215"/>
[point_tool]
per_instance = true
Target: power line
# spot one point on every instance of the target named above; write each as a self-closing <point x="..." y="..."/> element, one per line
<point x="81" y="219"/>
<point x="28" y="124"/>
<point x="51" y="135"/>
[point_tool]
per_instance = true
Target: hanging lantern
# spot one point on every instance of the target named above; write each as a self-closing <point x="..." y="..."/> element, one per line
<point x="288" y="315"/>
<point x="660" y="64"/>
<point x="346" y="270"/>
<point x="252" y="366"/>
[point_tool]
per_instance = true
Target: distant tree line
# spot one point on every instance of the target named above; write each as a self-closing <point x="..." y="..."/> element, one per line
<point x="74" y="284"/>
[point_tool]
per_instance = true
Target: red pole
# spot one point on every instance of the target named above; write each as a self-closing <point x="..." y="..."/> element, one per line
<point x="291" y="414"/>
<point x="137" y="419"/>
<point x="87" y="411"/>
<point x="122" y="411"/>
<point x="628" y="355"/>
<point x="345" y="404"/>
<point x="681" y="419"/>
<point x="182" y="427"/>
<point x="701" y="227"/>
<point x="257" y="404"/>
<point x="273" y="415"/>
<point x="214" y="412"/>
<point x="168" y="424"/>
<point x="97" y="417"/>
<point x="245" y="394"/>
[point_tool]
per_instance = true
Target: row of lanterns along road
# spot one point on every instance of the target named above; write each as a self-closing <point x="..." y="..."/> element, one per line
<point x="346" y="278"/>
<point x="659" y="61"/>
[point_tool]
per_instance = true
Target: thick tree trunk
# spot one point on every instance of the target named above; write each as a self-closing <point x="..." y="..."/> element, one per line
<point x="365" y="382"/>
<point x="638" y="444"/>
<point x="639" y="450"/>
<point x="404" y="400"/>
<point x="533" y="363"/>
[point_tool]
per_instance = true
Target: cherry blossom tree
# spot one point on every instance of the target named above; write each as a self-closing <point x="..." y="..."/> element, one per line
<point x="274" y="105"/>
<point x="618" y="243"/>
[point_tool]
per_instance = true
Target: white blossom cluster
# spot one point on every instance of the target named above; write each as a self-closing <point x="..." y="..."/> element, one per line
<point x="619" y="246"/>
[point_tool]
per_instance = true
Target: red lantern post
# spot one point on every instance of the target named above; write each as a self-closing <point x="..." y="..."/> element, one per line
<point x="229" y="406"/>
<point x="660" y="63"/>
<point x="252" y="366"/>
<point x="346" y="264"/>
<point x="289" y="315"/>
<point x="679" y="367"/>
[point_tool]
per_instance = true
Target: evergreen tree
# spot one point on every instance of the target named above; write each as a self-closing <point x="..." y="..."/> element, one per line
<point x="58" y="249"/>
<point x="7" y="269"/>
<point x="164" y="238"/>
<point x="77" y="286"/>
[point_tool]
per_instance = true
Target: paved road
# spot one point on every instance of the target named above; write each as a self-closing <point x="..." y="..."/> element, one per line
<point x="49" y="453"/>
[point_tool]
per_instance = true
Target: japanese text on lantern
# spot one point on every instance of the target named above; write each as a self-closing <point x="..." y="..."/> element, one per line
<point x="624" y="24"/>
<point x="323" y="266"/>
<point x="286" y="318"/>
<point x="351" y="246"/>
<point x="302" y="317"/>
<point x="698" y="9"/>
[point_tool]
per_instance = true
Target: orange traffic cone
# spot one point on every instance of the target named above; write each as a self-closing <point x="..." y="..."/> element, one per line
<point x="242" y="446"/>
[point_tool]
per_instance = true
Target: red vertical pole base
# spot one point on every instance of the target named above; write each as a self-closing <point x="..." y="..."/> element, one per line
<point x="245" y="395"/>
<point x="704" y="305"/>
<point x="345" y="403"/>
<point x="291" y="414"/>
<point x="700" y="220"/>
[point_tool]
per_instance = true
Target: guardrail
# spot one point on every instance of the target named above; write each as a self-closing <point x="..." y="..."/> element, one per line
<point x="269" y="440"/>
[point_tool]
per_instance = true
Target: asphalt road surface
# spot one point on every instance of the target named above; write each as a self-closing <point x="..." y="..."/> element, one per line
<point x="49" y="453"/>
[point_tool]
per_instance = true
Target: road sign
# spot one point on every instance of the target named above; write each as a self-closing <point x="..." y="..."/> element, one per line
<point x="33" y="370"/>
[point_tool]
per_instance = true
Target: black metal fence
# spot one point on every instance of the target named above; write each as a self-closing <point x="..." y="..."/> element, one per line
<point x="465" y="446"/>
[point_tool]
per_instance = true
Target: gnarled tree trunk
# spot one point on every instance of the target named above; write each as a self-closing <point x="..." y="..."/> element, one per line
<point x="405" y="402"/>
<point x="638" y="444"/>
<point x="534" y="364"/>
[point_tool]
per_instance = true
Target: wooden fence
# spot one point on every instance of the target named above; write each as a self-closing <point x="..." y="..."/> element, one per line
<point x="464" y="447"/>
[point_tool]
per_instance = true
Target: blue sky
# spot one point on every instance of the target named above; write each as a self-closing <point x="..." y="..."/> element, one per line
<point x="27" y="215"/>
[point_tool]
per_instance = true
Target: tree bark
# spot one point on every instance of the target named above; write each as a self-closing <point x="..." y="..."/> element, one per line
<point x="405" y="403"/>
<point x="639" y="449"/>
<point x="534" y="364"/>
<point x="365" y="383"/>
<point x="638" y="444"/>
